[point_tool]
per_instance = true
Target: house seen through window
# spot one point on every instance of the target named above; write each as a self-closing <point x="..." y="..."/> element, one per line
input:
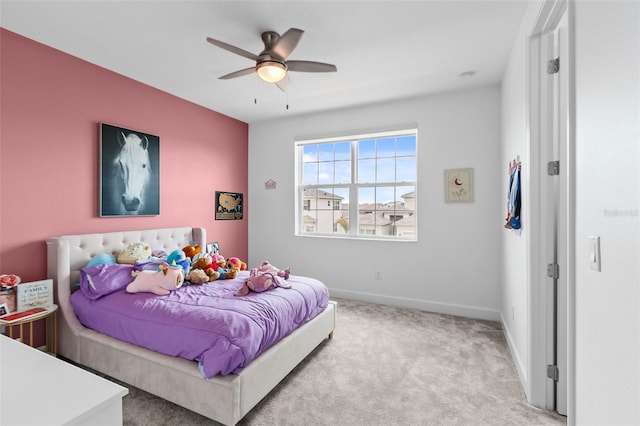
<point x="358" y="186"/>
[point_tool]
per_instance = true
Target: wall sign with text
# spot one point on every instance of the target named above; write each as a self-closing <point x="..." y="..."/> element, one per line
<point x="228" y="205"/>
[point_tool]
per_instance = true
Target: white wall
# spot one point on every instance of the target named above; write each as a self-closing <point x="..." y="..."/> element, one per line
<point x="514" y="308"/>
<point x="454" y="267"/>
<point x="607" y="84"/>
<point x="607" y="115"/>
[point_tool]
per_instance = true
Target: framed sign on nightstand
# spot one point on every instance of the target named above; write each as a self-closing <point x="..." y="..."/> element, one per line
<point x="36" y="294"/>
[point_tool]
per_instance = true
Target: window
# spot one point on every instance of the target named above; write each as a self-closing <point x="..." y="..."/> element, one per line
<point x="358" y="186"/>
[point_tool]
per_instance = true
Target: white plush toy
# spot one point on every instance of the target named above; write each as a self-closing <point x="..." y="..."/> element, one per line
<point x="161" y="282"/>
<point x="133" y="252"/>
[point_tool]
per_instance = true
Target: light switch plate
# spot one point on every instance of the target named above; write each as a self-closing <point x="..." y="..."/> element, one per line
<point x="594" y="253"/>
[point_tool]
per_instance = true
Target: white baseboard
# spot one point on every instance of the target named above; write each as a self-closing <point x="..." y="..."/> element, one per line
<point x="423" y="305"/>
<point x="520" y="367"/>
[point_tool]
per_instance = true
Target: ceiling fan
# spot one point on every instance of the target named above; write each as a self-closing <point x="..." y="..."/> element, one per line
<point x="272" y="64"/>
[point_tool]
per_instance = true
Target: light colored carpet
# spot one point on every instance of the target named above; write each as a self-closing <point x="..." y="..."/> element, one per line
<point x="385" y="366"/>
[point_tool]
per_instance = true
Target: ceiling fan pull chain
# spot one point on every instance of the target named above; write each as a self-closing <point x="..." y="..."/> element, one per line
<point x="255" y="98"/>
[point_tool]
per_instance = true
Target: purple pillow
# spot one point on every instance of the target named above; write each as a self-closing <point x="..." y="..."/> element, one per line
<point x="101" y="280"/>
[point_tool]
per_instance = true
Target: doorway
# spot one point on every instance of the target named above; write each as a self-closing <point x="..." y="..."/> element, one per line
<point x="551" y="171"/>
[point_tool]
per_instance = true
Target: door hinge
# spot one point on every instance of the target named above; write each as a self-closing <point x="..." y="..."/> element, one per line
<point x="553" y="270"/>
<point x="553" y="66"/>
<point x="553" y="372"/>
<point x="553" y="168"/>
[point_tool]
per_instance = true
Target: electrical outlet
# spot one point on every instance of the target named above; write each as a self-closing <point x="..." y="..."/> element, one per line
<point x="378" y="275"/>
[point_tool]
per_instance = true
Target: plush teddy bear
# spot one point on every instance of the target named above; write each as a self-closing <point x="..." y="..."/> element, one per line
<point x="220" y="265"/>
<point x="264" y="278"/>
<point x="191" y="250"/>
<point x="134" y="252"/>
<point x="161" y="282"/>
<point x="204" y="262"/>
<point x="236" y="264"/>
<point x="198" y="276"/>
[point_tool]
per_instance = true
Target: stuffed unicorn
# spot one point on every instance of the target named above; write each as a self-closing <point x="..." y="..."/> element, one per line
<point x="265" y="278"/>
<point x="161" y="282"/>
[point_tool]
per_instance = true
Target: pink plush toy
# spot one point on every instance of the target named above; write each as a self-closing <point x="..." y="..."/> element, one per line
<point x="161" y="282"/>
<point x="265" y="278"/>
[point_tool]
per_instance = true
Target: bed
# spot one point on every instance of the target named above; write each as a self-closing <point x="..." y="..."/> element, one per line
<point x="226" y="399"/>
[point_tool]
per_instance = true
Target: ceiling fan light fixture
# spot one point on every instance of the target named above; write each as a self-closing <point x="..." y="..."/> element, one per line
<point x="271" y="71"/>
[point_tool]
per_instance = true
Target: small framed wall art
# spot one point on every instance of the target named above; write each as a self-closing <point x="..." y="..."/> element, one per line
<point x="458" y="185"/>
<point x="129" y="172"/>
<point x="229" y="205"/>
<point x="213" y="248"/>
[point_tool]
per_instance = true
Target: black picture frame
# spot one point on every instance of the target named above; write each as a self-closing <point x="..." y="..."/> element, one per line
<point x="136" y="155"/>
<point x="229" y="205"/>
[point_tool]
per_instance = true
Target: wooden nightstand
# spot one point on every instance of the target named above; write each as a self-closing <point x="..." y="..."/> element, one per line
<point x="51" y="328"/>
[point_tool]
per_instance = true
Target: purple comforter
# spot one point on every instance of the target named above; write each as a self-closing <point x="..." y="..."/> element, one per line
<point x="206" y="323"/>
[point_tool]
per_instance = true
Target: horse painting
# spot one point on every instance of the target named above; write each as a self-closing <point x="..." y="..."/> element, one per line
<point x="129" y="185"/>
<point x="134" y="170"/>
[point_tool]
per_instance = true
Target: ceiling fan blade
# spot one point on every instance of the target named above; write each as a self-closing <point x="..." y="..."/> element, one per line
<point x="287" y="42"/>
<point x="310" y="66"/>
<point x="233" y="49"/>
<point x="238" y="73"/>
<point x="283" y="84"/>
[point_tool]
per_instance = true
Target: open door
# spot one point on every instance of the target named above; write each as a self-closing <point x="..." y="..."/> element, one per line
<point x="554" y="119"/>
<point x="550" y="182"/>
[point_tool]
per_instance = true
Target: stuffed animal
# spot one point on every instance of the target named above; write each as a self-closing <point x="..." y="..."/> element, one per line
<point x="134" y="252"/>
<point x="198" y="276"/>
<point x="267" y="267"/>
<point x="161" y="282"/>
<point x="218" y="261"/>
<point x="220" y="265"/>
<point x="264" y="278"/>
<point x="236" y="264"/>
<point x="204" y="262"/>
<point x="178" y="257"/>
<point x="101" y="259"/>
<point x="191" y="250"/>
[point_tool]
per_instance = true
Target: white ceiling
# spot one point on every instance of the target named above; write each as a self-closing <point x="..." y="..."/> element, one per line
<point x="383" y="50"/>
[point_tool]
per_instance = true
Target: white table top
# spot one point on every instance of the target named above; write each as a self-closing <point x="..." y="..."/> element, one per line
<point x="39" y="389"/>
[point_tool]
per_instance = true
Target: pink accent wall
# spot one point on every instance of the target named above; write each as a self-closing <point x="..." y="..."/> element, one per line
<point x="51" y="105"/>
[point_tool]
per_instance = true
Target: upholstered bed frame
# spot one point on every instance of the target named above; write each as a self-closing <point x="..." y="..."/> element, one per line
<point x="225" y="399"/>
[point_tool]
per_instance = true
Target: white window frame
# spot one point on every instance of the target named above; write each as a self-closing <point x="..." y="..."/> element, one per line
<point x="353" y="186"/>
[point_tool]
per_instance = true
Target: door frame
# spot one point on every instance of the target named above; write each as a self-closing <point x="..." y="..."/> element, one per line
<point x="540" y="298"/>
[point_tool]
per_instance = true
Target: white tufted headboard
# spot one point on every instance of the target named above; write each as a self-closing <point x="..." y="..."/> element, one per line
<point x="68" y="254"/>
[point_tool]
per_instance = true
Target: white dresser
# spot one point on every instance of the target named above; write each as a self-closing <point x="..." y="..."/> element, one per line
<point x="39" y="389"/>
